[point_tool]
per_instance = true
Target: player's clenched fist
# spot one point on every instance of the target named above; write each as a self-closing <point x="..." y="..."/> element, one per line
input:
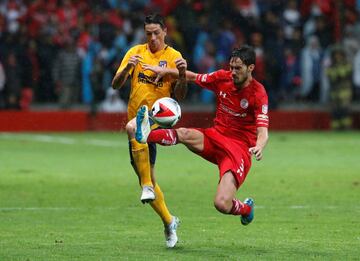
<point x="134" y="60"/>
<point x="181" y="65"/>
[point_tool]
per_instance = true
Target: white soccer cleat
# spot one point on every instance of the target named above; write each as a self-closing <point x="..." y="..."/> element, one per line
<point x="147" y="194"/>
<point x="142" y="125"/>
<point x="170" y="232"/>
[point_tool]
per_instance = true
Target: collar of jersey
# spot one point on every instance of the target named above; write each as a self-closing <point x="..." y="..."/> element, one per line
<point x="158" y="52"/>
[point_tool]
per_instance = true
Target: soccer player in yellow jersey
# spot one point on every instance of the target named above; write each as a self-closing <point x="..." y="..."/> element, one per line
<point x="146" y="88"/>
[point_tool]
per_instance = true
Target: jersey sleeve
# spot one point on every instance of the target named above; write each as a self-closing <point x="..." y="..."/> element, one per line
<point x="175" y="55"/>
<point x="261" y="109"/>
<point x="125" y="60"/>
<point x="207" y="80"/>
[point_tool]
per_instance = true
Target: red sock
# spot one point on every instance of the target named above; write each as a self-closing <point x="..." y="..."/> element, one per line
<point x="166" y="137"/>
<point x="239" y="208"/>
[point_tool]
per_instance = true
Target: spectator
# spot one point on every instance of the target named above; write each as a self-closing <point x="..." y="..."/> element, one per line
<point x="324" y="32"/>
<point x="339" y="73"/>
<point x="291" y="19"/>
<point x="112" y="102"/>
<point x="12" y="13"/>
<point x="356" y="74"/>
<point x="46" y="54"/>
<point x="13" y="81"/>
<point x="291" y="79"/>
<point x="351" y="42"/>
<point x="67" y="75"/>
<point x="225" y="40"/>
<point x="2" y="85"/>
<point x="311" y="61"/>
<point x="256" y="41"/>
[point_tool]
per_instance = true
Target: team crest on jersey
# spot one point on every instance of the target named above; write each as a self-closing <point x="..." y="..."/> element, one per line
<point x="244" y="103"/>
<point x="264" y="109"/>
<point x="163" y="64"/>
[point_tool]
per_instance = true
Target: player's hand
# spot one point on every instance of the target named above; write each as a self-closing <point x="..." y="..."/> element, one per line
<point x="158" y="70"/>
<point x="181" y="65"/>
<point x="257" y="152"/>
<point x="134" y="60"/>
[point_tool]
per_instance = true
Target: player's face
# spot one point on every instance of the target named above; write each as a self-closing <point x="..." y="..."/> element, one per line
<point x="240" y="72"/>
<point x="155" y="36"/>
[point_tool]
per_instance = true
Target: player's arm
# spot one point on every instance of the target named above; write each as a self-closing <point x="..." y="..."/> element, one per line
<point x="121" y="76"/>
<point x="173" y="72"/>
<point x="261" y="141"/>
<point x="180" y="88"/>
<point x="161" y="71"/>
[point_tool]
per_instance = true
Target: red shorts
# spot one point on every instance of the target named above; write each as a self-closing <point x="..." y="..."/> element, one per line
<point x="228" y="153"/>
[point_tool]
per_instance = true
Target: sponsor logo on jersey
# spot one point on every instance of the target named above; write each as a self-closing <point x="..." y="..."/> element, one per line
<point x="228" y="110"/>
<point x="163" y="64"/>
<point x="142" y="78"/>
<point x="244" y="103"/>
<point x="264" y="109"/>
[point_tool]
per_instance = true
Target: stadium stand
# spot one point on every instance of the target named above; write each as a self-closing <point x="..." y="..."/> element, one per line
<point x="86" y="39"/>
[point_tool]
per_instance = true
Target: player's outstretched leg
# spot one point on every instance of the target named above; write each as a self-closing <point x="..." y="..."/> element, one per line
<point x="142" y="124"/>
<point x="170" y="232"/>
<point x="246" y="219"/>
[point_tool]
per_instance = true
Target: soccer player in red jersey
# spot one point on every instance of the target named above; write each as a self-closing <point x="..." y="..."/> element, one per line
<point x="240" y="128"/>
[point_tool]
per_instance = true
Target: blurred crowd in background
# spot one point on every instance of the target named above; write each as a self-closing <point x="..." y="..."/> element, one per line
<point x="66" y="52"/>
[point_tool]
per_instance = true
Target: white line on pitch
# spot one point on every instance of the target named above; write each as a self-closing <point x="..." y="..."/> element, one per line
<point x="61" y="140"/>
<point x="52" y="209"/>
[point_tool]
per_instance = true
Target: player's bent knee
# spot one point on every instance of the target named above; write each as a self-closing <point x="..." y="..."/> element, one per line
<point x="130" y="127"/>
<point x="222" y="205"/>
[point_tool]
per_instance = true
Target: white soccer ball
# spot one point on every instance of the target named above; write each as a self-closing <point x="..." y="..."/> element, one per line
<point x="166" y="112"/>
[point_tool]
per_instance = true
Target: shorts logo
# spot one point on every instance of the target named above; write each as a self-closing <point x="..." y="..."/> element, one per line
<point x="240" y="170"/>
<point x="163" y="64"/>
<point x="244" y="103"/>
<point x="264" y="109"/>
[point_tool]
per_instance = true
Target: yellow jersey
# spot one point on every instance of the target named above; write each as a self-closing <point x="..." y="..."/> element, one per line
<point x="143" y="89"/>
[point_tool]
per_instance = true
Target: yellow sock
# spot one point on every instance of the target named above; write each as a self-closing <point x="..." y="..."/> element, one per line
<point x="160" y="207"/>
<point x="140" y="153"/>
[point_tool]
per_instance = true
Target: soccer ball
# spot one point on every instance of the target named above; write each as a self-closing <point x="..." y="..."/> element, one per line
<point x="165" y="112"/>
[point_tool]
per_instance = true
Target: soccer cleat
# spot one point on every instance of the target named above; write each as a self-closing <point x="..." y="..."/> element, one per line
<point x="170" y="232"/>
<point x="147" y="194"/>
<point x="245" y="220"/>
<point x="142" y="125"/>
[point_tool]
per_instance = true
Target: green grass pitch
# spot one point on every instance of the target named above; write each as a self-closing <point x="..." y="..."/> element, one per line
<point x="75" y="197"/>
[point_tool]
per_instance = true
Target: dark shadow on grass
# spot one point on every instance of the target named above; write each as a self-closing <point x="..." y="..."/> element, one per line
<point x="220" y="252"/>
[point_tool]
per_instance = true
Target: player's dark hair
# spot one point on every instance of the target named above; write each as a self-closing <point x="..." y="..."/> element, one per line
<point x="246" y="53"/>
<point x="154" y="19"/>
